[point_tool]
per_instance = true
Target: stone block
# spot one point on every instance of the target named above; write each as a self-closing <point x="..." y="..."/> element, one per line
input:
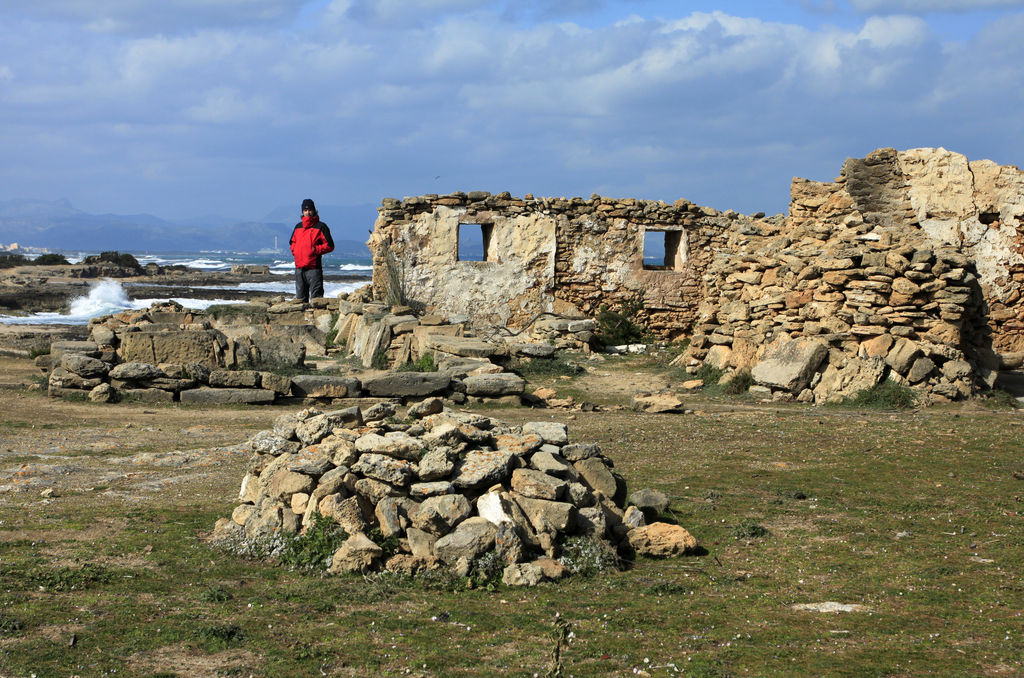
<point x="223" y="396"/>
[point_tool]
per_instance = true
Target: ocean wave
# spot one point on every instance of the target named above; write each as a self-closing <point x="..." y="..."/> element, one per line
<point x="109" y="297"/>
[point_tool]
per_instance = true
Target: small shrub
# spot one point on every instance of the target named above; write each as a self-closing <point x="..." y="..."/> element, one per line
<point x="118" y="259"/>
<point x="380" y="360"/>
<point x="215" y="594"/>
<point x="219" y="635"/>
<point x="885" y="396"/>
<point x="389" y="545"/>
<point x="586" y="556"/>
<point x="425" y="363"/>
<point x="37" y="351"/>
<point x="50" y="259"/>
<point x="486" y="571"/>
<point x="615" y="328"/>
<point x="709" y="374"/>
<point x="748" y="529"/>
<point x="10" y="625"/>
<point x="740" y="383"/>
<point x="313" y="549"/>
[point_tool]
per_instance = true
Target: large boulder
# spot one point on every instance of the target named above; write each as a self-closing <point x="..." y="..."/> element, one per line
<point x="661" y="540"/>
<point x="789" y="364"/>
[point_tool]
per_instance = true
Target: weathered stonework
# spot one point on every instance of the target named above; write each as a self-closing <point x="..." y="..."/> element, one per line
<point x="917" y="252"/>
<point x="567" y="256"/>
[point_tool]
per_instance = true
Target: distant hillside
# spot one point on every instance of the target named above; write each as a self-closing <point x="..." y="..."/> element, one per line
<point x="58" y="225"/>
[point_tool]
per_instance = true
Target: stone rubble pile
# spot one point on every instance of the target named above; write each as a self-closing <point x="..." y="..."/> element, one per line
<point x="450" y="486"/>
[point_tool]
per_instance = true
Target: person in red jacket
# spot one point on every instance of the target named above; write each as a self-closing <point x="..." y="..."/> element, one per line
<point x="310" y="240"/>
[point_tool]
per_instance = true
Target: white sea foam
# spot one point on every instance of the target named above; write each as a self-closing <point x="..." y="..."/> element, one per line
<point x="108" y="297"/>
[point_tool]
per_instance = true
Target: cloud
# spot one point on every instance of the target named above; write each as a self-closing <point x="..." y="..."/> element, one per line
<point x="358" y="100"/>
<point x="924" y="6"/>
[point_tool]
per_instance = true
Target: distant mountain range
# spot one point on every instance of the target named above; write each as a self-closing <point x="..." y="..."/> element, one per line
<point x="58" y="225"/>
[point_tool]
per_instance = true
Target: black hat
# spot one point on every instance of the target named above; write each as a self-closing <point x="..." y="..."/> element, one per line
<point x="308" y="204"/>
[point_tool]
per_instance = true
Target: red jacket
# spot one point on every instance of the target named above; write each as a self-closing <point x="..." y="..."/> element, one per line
<point x="309" y="243"/>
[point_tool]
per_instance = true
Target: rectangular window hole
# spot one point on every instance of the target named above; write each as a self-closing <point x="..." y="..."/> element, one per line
<point x="474" y="242"/>
<point x="661" y="250"/>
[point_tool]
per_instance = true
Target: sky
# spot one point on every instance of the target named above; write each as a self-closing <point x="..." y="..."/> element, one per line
<point x="235" y="107"/>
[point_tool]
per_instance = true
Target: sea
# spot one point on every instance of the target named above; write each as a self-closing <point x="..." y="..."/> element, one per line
<point x="108" y="296"/>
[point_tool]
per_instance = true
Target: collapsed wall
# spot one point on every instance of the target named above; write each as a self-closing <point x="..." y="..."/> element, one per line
<point x="907" y="267"/>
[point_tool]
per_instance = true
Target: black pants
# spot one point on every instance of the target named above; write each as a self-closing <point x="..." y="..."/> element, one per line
<point x="309" y="283"/>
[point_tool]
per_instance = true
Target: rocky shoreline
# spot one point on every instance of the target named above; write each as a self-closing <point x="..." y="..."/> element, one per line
<point x="34" y="289"/>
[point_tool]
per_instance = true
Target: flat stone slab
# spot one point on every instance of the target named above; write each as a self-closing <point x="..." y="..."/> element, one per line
<point x="219" y="396"/>
<point x="492" y="385"/>
<point x="399" y="384"/>
<point x="466" y="347"/>
<point x="324" y="386"/>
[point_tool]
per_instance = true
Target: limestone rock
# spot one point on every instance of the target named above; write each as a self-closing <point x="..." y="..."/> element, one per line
<point x="473" y="537"/>
<point x="661" y="540"/>
<point x="357" y="554"/>
<point x="790" y="364"/>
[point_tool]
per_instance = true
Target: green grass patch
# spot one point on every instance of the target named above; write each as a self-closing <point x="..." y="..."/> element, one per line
<point x="913" y="514"/>
<point x="313" y="549"/>
<point x="535" y="369"/>
<point x="887" y="395"/>
<point x="65" y="578"/>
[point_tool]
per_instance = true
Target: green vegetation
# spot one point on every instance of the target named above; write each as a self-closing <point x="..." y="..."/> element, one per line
<point x="709" y="374"/>
<point x="615" y="328"/>
<point x="887" y="395"/>
<point x="50" y="259"/>
<point x="313" y="549"/>
<point x="914" y="515"/>
<point x="8" y="260"/>
<point x="425" y="363"/>
<point x="559" y="365"/>
<point x="998" y="399"/>
<point x="124" y="260"/>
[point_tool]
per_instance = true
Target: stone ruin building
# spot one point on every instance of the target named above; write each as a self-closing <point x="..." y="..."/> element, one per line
<point x="909" y="266"/>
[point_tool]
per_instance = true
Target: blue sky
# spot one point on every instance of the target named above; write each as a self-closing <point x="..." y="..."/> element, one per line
<point x="235" y="107"/>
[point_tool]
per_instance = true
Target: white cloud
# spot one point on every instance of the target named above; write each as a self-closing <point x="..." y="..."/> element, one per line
<point x="924" y="6"/>
<point x="383" y="102"/>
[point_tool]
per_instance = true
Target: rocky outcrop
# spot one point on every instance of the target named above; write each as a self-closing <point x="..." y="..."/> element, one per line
<point x="449" y="488"/>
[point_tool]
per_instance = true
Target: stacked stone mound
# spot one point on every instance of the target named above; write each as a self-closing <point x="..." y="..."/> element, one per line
<point x="851" y="291"/>
<point x="449" y="486"/>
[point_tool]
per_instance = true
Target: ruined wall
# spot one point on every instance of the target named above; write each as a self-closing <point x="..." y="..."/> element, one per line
<point x="906" y="267"/>
<point x="565" y="256"/>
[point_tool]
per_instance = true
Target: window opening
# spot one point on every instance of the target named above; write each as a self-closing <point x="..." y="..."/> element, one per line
<point x="661" y="250"/>
<point x="474" y="242"/>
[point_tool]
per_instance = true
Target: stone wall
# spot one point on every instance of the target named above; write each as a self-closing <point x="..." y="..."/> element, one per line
<point x="907" y="267"/>
<point x="567" y="256"/>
